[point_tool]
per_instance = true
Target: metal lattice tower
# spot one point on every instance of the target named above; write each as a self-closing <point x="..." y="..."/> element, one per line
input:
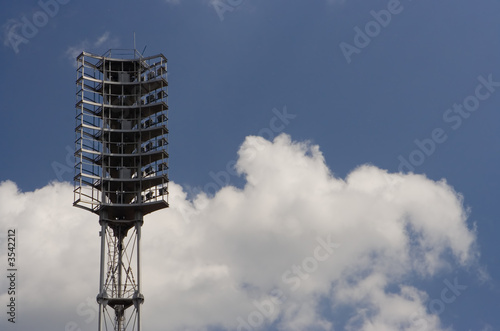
<point x="121" y="168"/>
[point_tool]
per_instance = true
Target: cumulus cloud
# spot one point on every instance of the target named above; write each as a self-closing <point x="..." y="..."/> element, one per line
<point x="292" y="248"/>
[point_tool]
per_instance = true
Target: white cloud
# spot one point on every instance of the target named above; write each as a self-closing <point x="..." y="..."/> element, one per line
<point x="101" y="44"/>
<point x="213" y="261"/>
<point x="102" y="39"/>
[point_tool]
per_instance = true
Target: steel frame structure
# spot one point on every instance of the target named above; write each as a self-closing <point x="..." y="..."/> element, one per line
<point x="121" y="168"/>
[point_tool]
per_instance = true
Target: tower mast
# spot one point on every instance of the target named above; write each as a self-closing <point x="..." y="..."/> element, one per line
<point x="121" y="168"/>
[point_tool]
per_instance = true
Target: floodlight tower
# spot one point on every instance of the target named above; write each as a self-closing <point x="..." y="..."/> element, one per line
<point x="121" y="168"/>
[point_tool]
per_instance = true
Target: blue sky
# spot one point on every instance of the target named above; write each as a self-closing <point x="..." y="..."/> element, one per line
<point x="418" y="92"/>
